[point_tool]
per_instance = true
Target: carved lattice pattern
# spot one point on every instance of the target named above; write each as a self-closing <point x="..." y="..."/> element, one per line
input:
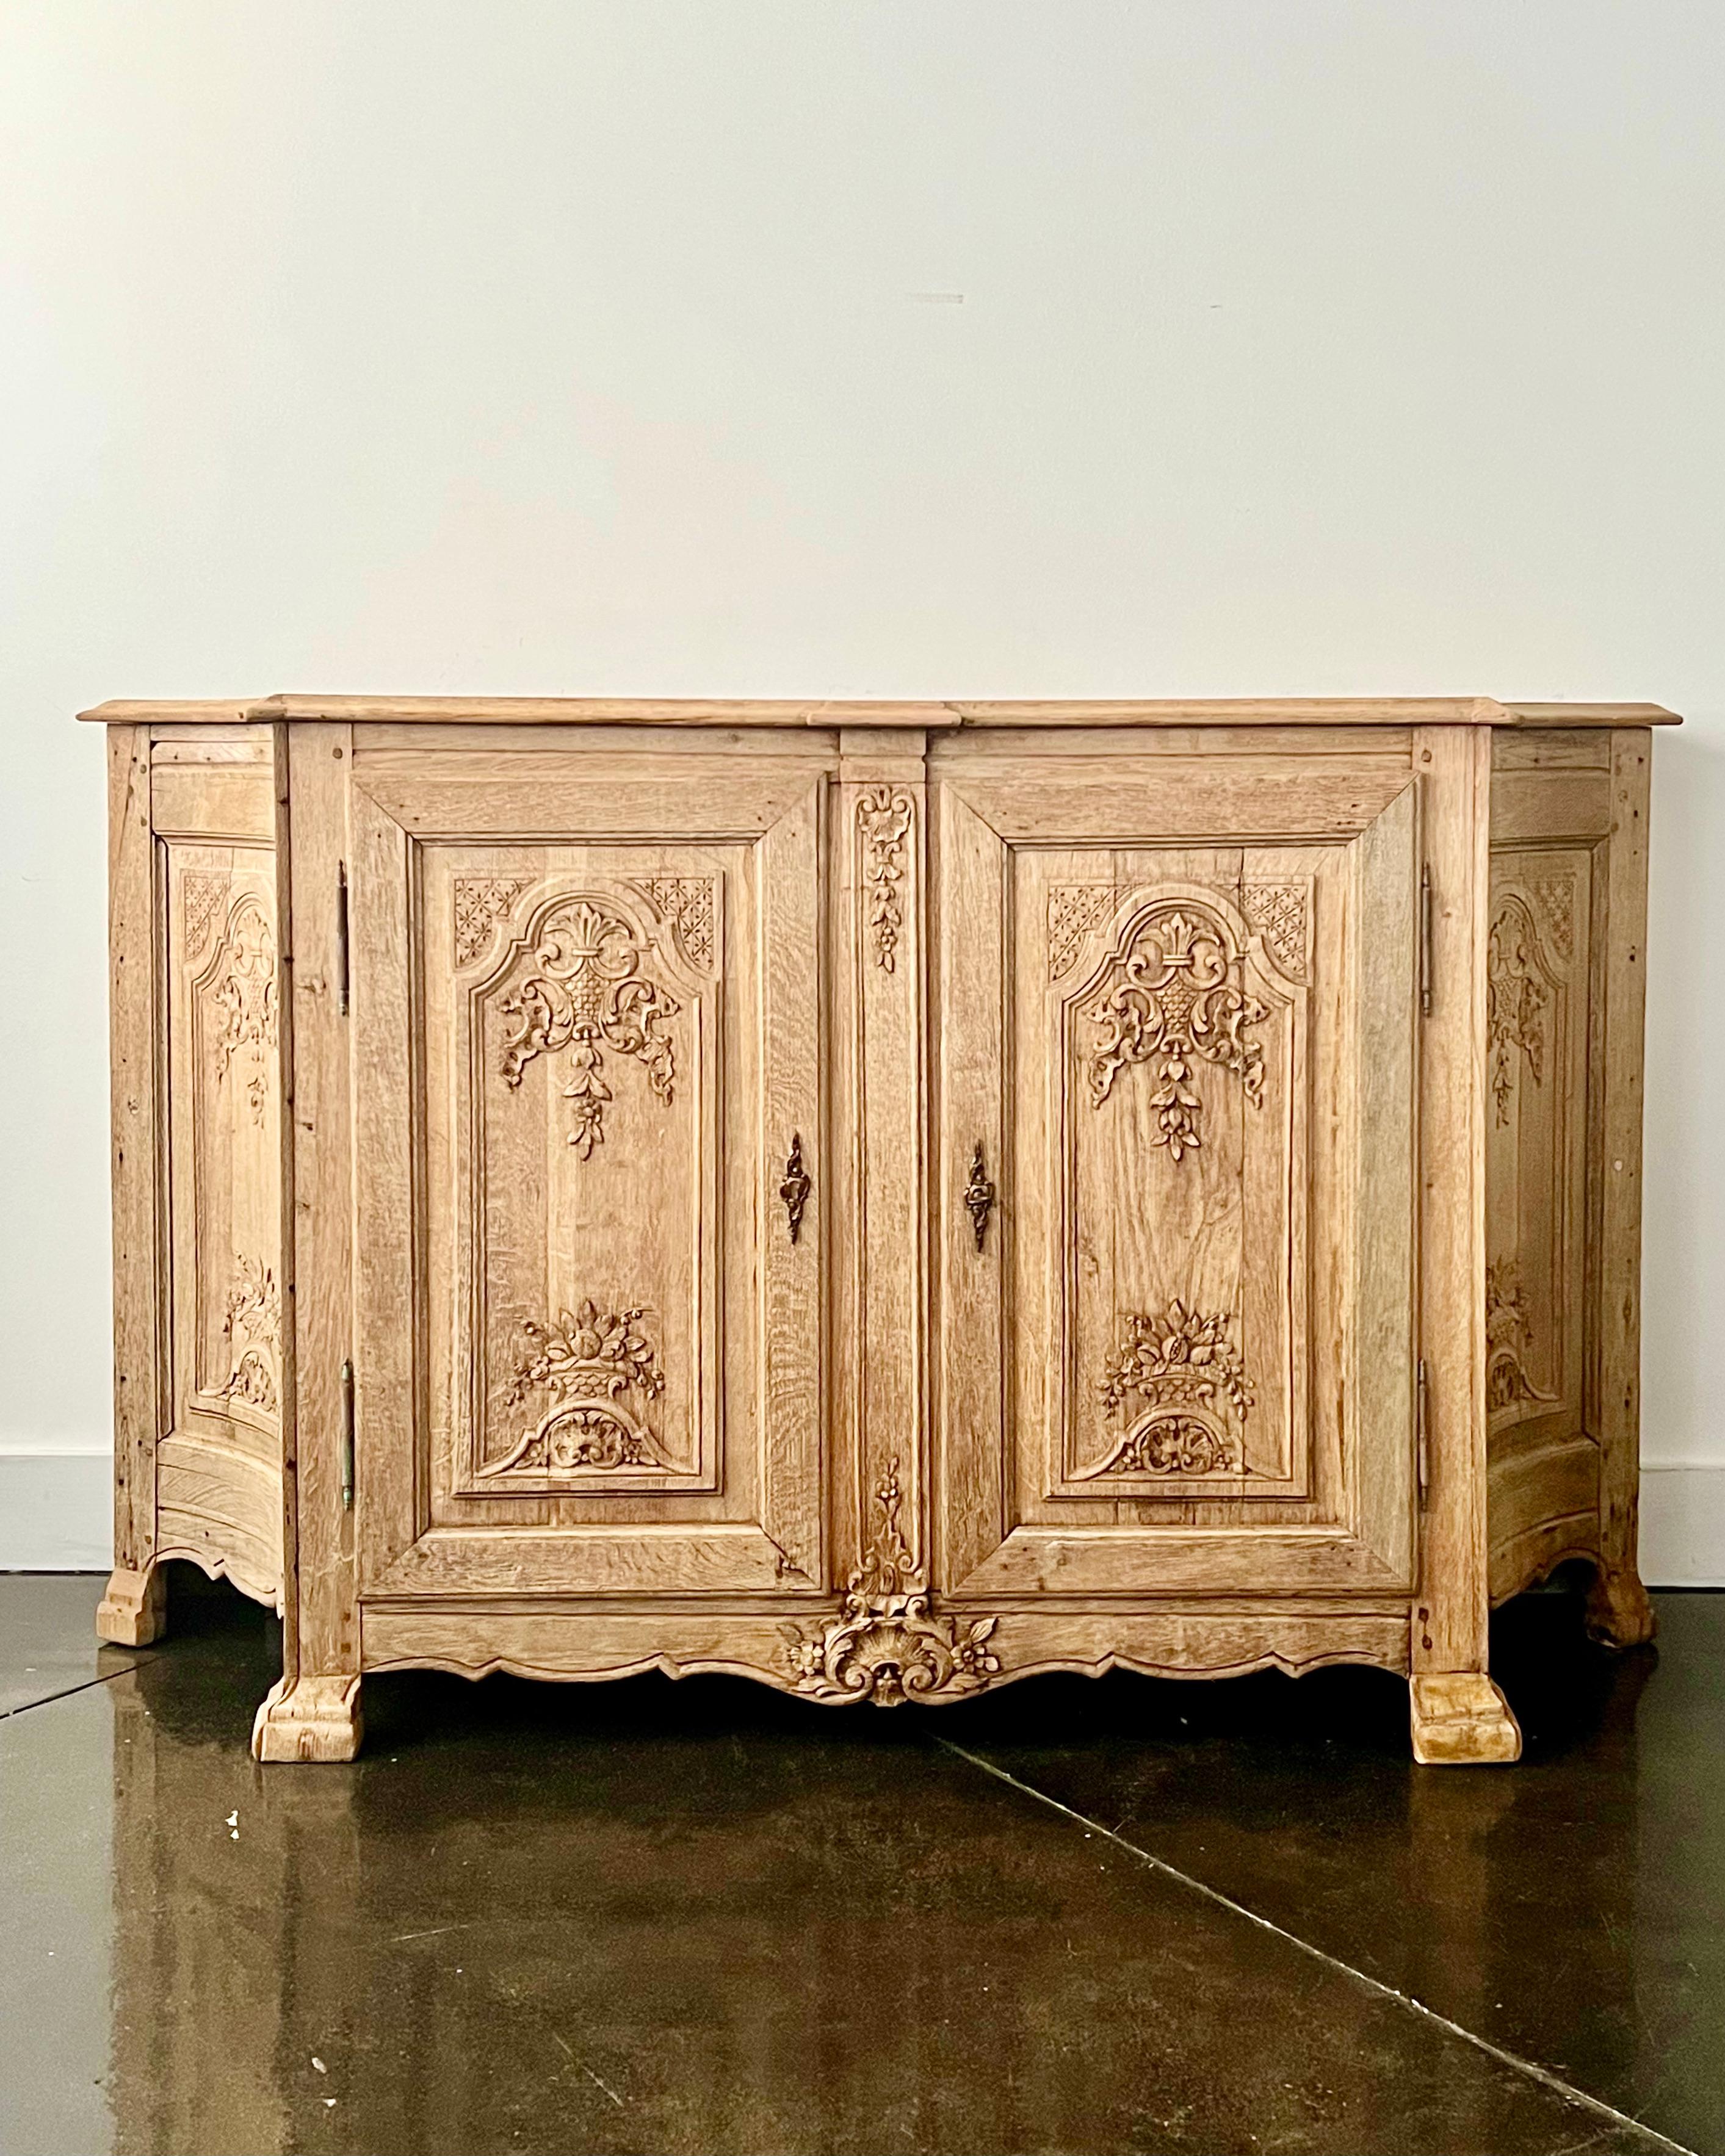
<point x="1277" y="911"/>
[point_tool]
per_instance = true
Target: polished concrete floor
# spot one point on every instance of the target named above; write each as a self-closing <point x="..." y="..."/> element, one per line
<point x="1072" y="1917"/>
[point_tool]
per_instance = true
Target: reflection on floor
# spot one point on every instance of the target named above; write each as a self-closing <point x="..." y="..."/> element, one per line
<point x="1070" y="1917"/>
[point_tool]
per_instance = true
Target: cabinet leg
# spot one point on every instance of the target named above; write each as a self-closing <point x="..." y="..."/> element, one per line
<point x="1619" y="1614"/>
<point x="1460" y="1719"/>
<point x="310" y="1718"/>
<point x="134" y="1610"/>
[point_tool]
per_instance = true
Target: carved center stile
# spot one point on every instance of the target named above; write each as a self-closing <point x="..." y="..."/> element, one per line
<point x="884" y="816"/>
<point x="884" y="1644"/>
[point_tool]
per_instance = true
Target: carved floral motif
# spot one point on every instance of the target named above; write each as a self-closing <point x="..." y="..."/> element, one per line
<point x="1074" y="909"/>
<point x="1277" y="911"/>
<point x="586" y="986"/>
<point x="686" y="902"/>
<point x="1516" y="995"/>
<point x="883" y="821"/>
<point x="1195" y="1396"/>
<point x="1509" y="1340"/>
<point x="252" y="1326"/>
<point x="242" y="989"/>
<point x="592" y="1363"/>
<point x="481" y="903"/>
<point x="1175" y="993"/>
<point x="884" y="1644"/>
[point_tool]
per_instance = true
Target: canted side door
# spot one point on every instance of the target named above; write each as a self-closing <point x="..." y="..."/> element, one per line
<point x="590" y="1168"/>
<point x="1179" y="997"/>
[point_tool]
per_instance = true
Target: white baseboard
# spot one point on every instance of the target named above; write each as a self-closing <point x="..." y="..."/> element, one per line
<point x="1683" y="1524"/>
<point x="56" y="1515"/>
<point x="56" y="1511"/>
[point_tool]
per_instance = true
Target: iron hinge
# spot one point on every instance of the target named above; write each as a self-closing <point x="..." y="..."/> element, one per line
<point x="1422" y="1460"/>
<point x="346" y="1436"/>
<point x="342" y="937"/>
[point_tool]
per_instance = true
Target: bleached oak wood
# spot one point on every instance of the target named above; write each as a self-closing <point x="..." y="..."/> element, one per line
<point x="1619" y="1613"/>
<point x="1448" y="1634"/>
<point x="1565" y="987"/>
<point x="310" y="1718"/>
<point x="1460" y="1718"/>
<point x="133" y="1610"/>
<point x="137" y="1162"/>
<point x="887" y="1198"/>
<point x="321" y="1621"/>
<point x="566" y="710"/>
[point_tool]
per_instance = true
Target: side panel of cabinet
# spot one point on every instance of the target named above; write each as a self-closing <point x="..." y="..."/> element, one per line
<point x="1562" y="1143"/>
<point x="1177" y="1011"/>
<point x="217" y="968"/>
<point x="592" y="1183"/>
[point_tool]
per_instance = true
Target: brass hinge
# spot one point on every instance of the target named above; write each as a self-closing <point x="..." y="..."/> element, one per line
<point x="1422" y="1461"/>
<point x="1425" y="940"/>
<point x="347" y="1436"/>
<point x="342" y="937"/>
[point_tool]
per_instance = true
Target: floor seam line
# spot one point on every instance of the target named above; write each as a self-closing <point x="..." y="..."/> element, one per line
<point x="71" y="1692"/>
<point x="1597" y="2105"/>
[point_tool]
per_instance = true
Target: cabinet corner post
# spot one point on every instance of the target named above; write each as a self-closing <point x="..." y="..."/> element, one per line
<point x="1448" y="1633"/>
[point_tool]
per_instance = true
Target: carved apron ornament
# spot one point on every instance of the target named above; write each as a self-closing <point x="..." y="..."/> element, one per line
<point x="590" y="1362"/>
<point x="1195" y="1397"/>
<point x="1175" y="994"/>
<point x="884" y="1646"/>
<point x="587" y="987"/>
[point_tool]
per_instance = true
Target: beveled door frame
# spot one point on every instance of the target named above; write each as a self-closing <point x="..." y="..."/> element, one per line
<point x="986" y="1555"/>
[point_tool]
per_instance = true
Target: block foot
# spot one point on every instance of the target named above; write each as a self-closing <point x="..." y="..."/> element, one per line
<point x="1619" y="1614"/>
<point x="310" y="1718"/>
<point x="134" y="1610"/>
<point x="1460" y="1719"/>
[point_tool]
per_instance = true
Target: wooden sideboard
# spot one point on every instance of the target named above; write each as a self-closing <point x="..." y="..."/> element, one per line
<point x="882" y="1199"/>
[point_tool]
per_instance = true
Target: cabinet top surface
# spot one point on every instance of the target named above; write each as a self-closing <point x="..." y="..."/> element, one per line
<point x="595" y="711"/>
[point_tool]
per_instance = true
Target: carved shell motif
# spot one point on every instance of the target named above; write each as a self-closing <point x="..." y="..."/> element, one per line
<point x="884" y="1644"/>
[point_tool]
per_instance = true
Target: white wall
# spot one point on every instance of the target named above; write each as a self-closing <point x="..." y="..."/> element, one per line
<point x="1144" y="348"/>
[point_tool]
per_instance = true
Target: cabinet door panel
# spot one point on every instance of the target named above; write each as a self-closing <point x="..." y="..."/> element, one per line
<point x="582" y="1060"/>
<point x="1184" y="1363"/>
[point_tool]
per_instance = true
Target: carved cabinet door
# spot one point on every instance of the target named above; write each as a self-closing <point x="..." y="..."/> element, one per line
<point x="1178" y="1000"/>
<point x="591" y="1169"/>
